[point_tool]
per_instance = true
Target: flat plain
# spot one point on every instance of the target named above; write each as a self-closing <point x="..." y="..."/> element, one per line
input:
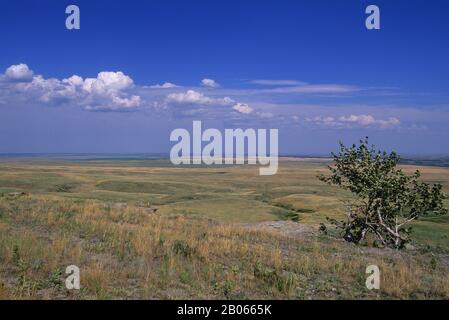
<point x="145" y="229"/>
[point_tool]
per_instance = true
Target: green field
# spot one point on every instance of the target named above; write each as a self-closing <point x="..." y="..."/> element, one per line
<point x="142" y="228"/>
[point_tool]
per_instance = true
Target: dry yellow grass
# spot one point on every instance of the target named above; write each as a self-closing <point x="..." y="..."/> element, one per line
<point x="131" y="254"/>
<point x="203" y="242"/>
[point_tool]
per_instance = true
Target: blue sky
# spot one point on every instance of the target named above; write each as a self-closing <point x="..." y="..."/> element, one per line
<point x="138" y="69"/>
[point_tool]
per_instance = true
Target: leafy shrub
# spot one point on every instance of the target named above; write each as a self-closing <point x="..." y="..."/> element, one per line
<point x="387" y="199"/>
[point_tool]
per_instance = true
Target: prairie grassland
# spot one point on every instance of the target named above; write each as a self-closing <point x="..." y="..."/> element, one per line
<point x="204" y="240"/>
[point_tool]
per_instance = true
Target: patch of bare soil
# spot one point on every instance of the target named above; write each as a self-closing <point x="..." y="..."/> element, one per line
<point x="286" y="228"/>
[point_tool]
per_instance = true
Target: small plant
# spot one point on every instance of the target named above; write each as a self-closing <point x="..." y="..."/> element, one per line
<point x="15" y="254"/>
<point x="161" y="241"/>
<point x="21" y="278"/>
<point x="433" y="263"/>
<point x="63" y="188"/>
<point x="284" y="282"/>
<point x="226" y="287"/>
<point x="185" y="277"/>
<point x="323" y="229"/>
<point x="181" y="247"/>
<point x="55" y="279"/>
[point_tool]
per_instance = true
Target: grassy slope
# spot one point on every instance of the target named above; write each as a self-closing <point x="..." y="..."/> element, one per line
<point x="69" y="218"/>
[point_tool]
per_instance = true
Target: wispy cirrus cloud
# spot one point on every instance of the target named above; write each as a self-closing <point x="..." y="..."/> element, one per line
<point x="165" y="85"/>
<point x="268" y="82"/>
<point x="360" y="120"/>
<point x="315" y="89"/>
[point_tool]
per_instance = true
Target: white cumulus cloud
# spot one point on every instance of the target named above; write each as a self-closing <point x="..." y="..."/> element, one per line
<point x="108" y="91"/>
<point x="242" y="108"/>
<point x="197" y="98"/>
<point x="19" y="72"/>
<point x="107" y="82"/>
<point x="193" y="102"/>
<point x="209" y="83"/>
